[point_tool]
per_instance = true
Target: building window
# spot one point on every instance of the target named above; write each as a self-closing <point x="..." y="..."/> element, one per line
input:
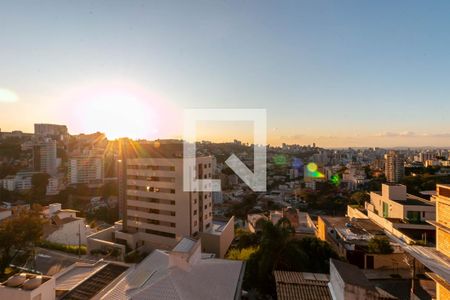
<point x="385" y="210"/>
<point x="160" y="233"/>
<point x="413" y="216"/>
<point x="195" y="212"/>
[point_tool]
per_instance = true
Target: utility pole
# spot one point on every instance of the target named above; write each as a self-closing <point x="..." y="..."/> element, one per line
<point x="79" y="240"/>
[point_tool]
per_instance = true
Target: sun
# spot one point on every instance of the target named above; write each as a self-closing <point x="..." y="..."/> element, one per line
<point x="119" y="111"/>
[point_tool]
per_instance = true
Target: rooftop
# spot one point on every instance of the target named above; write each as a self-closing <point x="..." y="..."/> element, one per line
<point x="295" y="285"/>
<point x="413" y="201"/>
<point x="353" y="229"/>
<point x="351" y="274"/>
<point x="92" y="285"/>
<point x="158" y="277"/>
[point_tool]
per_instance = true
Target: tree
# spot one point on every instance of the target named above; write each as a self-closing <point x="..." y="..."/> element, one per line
<point x="241" y="254"/>
<point x="19" y="234"/>
<point x="39" y="183"/>
<point x="360" y="198"/>
<point x="380" y="245"/>
<point x="109" y="189"/>
<point x="279" y="250"/>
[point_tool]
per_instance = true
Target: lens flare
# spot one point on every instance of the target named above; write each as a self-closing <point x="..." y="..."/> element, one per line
<point x="335" y="179"/>
<point x="297" y="163"/>
<point x="8" y="96"/>
<point x="312" y="171"/>
<point x="312" y="167"/>
<point x="280" y="160"/>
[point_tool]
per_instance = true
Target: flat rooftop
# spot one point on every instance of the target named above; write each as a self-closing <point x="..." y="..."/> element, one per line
<point x="355" y="226"/>
<point x="413" y="201"/>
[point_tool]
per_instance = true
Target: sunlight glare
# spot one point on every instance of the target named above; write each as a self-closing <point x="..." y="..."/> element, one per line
<point x="8" y="96"/>
<point x="116" y="111"/>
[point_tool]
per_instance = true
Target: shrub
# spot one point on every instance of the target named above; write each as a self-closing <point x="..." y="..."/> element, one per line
<point x="380" y="245"/>
<point x="74" y="249"/>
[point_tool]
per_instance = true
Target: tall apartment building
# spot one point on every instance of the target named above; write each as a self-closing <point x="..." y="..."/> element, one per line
<point x="86" y="169"/>
<point x="154" y="204"/>
<point x="442" y="237"/>
<point x="44" y="157"/>
<point x="50" y="130"/>
<point x="394" y="166"/>
<point x="435" y="259"/>
<point x="424" y="156"/>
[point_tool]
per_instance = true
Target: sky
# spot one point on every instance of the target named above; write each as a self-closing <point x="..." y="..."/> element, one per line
<point x="337" y="73"/>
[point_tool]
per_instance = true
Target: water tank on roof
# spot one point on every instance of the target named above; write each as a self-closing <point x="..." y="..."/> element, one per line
<point x="32" y="283"/>
<point x="16" y="280"/>
<point x="54" y="207"/>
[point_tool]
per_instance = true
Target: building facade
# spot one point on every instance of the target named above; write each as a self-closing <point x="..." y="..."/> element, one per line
<point x="442" y="235"/>
<point x="394" y="166"/>
<point x="86" y="169"/>
<point x="44" y="157"/>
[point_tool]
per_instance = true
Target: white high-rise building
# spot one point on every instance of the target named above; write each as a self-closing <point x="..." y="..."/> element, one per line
<point x="394" y="166"/>
<point x="44" y="157"/>
<point x="157" y="206"/>
<point x="154" y="207"/>
<point x="86" y="169"/>
<point x="156" y="212"/>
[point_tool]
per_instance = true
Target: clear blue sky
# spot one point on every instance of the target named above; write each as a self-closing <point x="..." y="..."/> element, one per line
<point x="334" y="72"/>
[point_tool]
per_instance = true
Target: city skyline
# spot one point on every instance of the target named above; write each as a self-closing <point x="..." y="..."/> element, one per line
<point x="335" y="75"/>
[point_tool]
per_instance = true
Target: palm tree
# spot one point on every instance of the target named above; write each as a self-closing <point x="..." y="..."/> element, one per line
<point x="280" y="250"/>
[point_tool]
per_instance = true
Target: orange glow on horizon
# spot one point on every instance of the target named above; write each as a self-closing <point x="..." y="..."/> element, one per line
<point x="121" y="111"/>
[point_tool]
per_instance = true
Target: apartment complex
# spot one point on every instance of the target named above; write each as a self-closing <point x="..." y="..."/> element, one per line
<point x="158" y="207"/>
<point x="350" y="238"/>
<point x="402" y="214"/>
<point x="436" y="259"/>
<point x="44" y="156"/>
<point x="156" y="211"/>
<point x="394" y="202"/>
<point x="442" y="224"/>
<point x="45" y="130"/>
<point x="86" y="169"/>
<point x="394" y="166"/>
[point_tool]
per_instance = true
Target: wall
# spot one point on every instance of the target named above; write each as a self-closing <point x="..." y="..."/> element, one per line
<point x="67" y="233"/>
<point x="45" y="290"/>
<point x="389" y="261"/>
<point x="441" y="292"/>
<point x="353" y="212"/>
<point x="337" y="284"/>
<point x="218" y="243"/>
<point x="389" y="226"/>
<point x="443" y="241"/>
<point x="5" y="214"/>
<point x="322" y="229"/>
